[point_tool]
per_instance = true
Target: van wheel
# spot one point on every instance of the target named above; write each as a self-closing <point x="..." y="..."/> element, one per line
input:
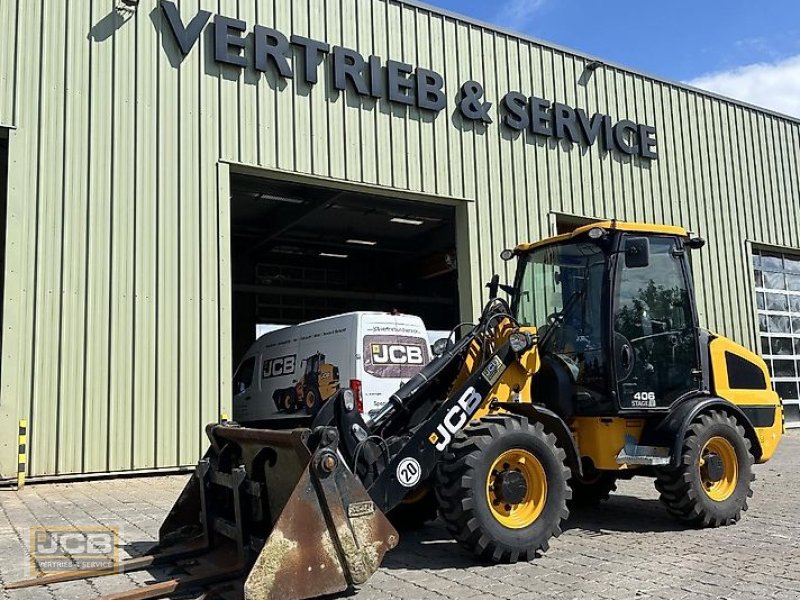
<point x="313" y="401"/>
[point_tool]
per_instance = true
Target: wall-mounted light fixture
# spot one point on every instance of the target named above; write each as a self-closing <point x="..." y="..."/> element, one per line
<point x="128" y="6"/>
<point x="594" y="65"/>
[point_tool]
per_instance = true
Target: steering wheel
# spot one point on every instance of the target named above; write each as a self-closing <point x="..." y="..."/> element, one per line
<point x="624" y="355"/>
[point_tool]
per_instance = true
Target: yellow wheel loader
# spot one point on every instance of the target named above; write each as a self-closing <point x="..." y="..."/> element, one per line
<point x="596" y="369"/>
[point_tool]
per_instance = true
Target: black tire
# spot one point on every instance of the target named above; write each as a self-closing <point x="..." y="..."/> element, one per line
<point x="595" y="487"/>
<point x="312" y="401"/>
<point x="682" y="488"/>
<point x="461" y="488"/>
<point x="414" y="515"/>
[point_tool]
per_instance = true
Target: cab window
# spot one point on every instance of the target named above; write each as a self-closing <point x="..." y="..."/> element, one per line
<point x="561" y="292"/>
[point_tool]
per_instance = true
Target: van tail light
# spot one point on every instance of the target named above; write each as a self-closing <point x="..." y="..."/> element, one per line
<point x="355" y="385"/>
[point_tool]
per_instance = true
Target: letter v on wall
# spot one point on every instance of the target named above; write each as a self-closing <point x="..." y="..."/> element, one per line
<point x="186" y="36"/>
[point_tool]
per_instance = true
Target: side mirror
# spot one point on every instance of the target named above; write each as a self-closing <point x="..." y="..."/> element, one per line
<point x="507" y="254"/>
<point x="493" y="286"/>
<point x="637" y="252"/>
<point x="441" y="346"/>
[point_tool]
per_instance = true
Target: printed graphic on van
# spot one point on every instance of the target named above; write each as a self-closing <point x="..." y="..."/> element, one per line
<point x="394" y="356"/>
<point x="318" y="383"/>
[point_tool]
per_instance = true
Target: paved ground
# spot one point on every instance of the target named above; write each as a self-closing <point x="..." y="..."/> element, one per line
<point x="629" y="548"/>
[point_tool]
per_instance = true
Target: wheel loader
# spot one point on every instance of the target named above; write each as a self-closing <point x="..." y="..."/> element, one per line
<point x="594" y="369"/>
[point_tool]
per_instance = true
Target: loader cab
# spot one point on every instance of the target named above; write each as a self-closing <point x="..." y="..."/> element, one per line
<point x="611" y="301"/>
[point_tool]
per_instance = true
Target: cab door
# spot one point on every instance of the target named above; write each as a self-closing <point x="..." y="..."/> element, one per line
<point x="655" y="334"/>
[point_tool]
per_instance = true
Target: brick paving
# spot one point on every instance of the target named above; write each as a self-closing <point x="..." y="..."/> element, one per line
<point x="627" y="549"/>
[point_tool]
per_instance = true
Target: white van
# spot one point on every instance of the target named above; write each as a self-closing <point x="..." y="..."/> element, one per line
<point x="291" y="372"/>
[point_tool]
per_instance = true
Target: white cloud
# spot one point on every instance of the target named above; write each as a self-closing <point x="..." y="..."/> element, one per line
<point x="773" y="85"/>
<point x="517" y="14"/>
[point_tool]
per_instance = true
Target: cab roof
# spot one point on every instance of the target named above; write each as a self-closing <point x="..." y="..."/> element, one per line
<point x="611" y="225"/>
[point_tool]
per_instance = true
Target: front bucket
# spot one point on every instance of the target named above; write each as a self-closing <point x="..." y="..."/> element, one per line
<point x="288" y="506"/>
<point x="278" y="510"/>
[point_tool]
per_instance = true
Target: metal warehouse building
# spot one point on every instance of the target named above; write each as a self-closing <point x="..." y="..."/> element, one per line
<point x="174" y="174"/>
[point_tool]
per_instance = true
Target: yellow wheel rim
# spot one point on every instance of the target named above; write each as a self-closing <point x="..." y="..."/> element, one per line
<point x="524" y="513"/>
<point x="723" y="488"/>
<point x="310" y="400"/>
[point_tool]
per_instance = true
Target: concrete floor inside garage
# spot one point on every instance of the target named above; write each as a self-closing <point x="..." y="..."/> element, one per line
<point x="302" y="252"/>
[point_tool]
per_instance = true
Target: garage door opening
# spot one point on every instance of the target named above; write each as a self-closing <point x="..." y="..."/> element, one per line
<point x="301" y="252"/>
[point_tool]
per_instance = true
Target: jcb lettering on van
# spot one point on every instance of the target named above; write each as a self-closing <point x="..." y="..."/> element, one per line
<point x="394" y="356"/>
<point x="276" y="367"/>
<point x="397" y="354"/>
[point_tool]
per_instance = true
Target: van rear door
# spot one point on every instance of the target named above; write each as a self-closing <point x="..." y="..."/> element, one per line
<point x="394" y="348"/>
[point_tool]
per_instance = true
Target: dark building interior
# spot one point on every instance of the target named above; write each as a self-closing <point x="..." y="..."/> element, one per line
<point x="301" y="252"/>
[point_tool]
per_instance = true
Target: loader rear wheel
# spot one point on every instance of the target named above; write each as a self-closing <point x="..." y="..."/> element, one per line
<point x="502" y="488"/>
<point x="711" y="485"/>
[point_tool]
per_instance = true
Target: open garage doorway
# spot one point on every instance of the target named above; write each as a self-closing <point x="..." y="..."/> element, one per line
<point x="302" y="252"/>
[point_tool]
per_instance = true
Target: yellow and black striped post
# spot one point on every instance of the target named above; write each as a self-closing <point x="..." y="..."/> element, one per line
<point x="22" y="458"/>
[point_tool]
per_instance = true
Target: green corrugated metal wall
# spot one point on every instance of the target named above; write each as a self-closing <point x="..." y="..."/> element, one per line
<point x="117" y="299"/>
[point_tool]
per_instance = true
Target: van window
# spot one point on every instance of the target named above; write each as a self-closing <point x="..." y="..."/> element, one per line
<point x="243" y="378"/>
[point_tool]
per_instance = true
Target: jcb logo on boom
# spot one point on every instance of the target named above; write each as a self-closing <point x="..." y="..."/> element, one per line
<point x="455" y="419"/>
<point x="275" y="367"/>
<point x="397" y="354"/>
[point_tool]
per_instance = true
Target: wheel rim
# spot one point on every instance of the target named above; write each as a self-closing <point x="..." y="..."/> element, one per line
<point x="719" y="489"/>
<point x="310" y="400"/>
<point x="517" y="515"/>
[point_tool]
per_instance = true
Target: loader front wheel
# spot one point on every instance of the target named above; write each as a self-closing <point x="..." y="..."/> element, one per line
<point x="712" y="483"/>
<point x="502" y="488"/>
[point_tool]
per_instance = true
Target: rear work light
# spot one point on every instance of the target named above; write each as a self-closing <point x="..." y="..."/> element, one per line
<point x="355" y="385"/>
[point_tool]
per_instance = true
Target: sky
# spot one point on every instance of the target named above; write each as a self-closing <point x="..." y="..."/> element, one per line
<point x="745" y="50"/>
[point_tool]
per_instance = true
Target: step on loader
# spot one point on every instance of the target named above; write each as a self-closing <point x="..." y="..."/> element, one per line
<point x="595" y="369"/>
